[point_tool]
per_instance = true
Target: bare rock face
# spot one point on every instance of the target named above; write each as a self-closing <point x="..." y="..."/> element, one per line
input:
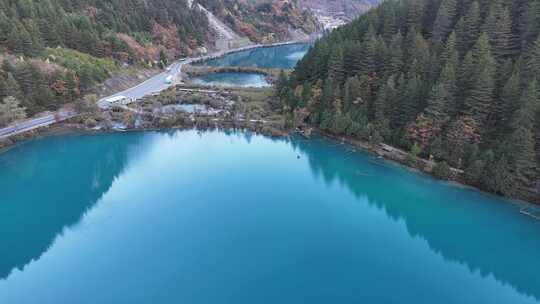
<point x="264" y="20"/>
<point x="333" y="13"/>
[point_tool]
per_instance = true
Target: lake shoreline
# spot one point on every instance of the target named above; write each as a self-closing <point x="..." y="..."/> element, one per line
<point x="69" y="128"/>
<point x="396" y="155"/>
<point x="421" y="165"/>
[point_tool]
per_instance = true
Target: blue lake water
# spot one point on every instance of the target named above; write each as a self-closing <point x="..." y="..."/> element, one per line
<point x="279" y="57"/>
<point x="232" y="80"/>
<point x="231" y="217"/>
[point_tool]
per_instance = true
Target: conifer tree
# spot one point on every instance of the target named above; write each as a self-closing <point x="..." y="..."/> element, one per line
<point x="529" y="22"/>
<point x="380" y="104"/>
<point x="353" y="58"/>
<point x="438" y="104"/>
<point x="12" y="87"/>
<point x="445" y="20"/>
<point x="533" y="62"/>
<point x="498" y="26"/>
<point x="368" y="61"/>
<point x="479" y="103"/>
<point x="450" y="54"/>
<point x="394" y="62"/>
<point x="528" y="106"/>
<point x="409" y="102"/>
<point x="415" y="10"/>
<point x="10" y="111"/>
<point x="508" y="101"/>
<point x="522" y="158"/>
<point x="389" y="27"/>
<point x="468" y="29"/>
<point x="336" y="71"/>
<point x="352" y="92"/>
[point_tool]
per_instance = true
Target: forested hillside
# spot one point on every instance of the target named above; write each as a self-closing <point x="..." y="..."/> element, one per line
<point x="452" y="80"/>
<point x="53" y="50"/>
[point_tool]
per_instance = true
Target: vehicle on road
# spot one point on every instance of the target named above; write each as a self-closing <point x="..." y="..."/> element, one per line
<point x="120" y="99"/>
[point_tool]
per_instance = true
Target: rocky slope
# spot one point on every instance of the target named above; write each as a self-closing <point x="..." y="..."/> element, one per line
<point x="264" y="20"/>
<point x="333" y="13"/>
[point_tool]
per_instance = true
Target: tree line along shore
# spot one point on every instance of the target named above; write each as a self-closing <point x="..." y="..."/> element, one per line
<point x="453" y="81"/>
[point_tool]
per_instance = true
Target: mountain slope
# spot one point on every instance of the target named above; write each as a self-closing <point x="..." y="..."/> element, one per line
<point x="333" y="13"/>
<point x="455" y="80"/>
<point x="264" y="20"/>
<point x="54" y="51"/>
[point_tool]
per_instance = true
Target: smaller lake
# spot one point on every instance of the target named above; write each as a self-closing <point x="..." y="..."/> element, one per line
<point x="278" y="57"/>
<point x="232" y="80"/>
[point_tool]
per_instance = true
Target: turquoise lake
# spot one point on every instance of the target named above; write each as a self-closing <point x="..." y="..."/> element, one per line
<point x="278" y="57"/>
<point x="232" y="217"/>
<point x="229" y="79"/>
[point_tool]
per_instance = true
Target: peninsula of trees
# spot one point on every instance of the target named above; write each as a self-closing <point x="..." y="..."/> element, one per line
<point x="452" y="80"/>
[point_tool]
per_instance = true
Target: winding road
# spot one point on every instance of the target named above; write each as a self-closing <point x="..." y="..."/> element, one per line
<point x="34" y="123"/>
<point x="158" y="82"/>
<point x="153" y="85"/>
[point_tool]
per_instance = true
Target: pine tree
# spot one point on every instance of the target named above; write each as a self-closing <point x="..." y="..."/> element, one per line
<point x="353" y="58"/>
<point x="497" y="177"/>
<point x="420" y="56"/>
<point x="14" y="41"/>
<point x="508" y="101"/>
<point x="409" y="103"/>
<point x="10" y="111"/>
<point x="352" y="92"/>
<point x="336" y="70"/>
<point x="439" y="104"/>
<point x="415" y="10"/>
<point x="395" y="56"/>
<point x="462" y="132"/>
<point x="498" y="26"/>
<point x="528" y="106"/>
<point x="445" y="20"/>
<point x="468" y="29"/>
<point x="389" y="27"/>
<point x="480" y="100"/>
<point x="448" y="75"/>
<point x="368" y="61"/>
<point x="533" y="61"/>
<point x="465" y="77"/>
<point x="379" y="105"/>
<point x="529" y="23"/>
<point x="522" y="158"/>
<point x="522" y="155"/>
<point x="380" y="56"/>
<point x="282" y="85"/>
<point x="450" y="54"/>
<point x="306" y="94"/>
<point x="12" y="87"/>
<point x="328" y="93"/>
